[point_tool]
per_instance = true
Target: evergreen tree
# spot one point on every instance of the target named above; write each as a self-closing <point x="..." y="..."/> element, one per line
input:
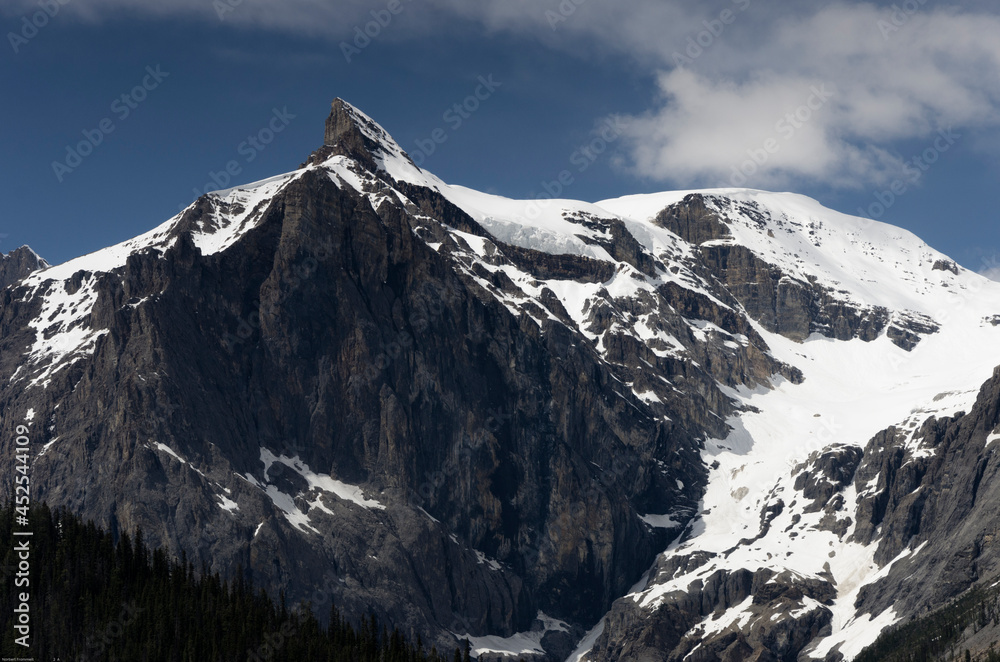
<point x="94" y="598"/>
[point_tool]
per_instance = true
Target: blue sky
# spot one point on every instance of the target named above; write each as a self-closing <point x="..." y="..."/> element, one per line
<point x="832" y="100"/>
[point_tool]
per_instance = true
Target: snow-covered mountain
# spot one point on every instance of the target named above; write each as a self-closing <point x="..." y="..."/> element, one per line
<point x="690" y="425"/>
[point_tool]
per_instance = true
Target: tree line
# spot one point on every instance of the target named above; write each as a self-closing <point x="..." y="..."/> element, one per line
<point x="97" y="598"/>
<point x="939" y="635"/>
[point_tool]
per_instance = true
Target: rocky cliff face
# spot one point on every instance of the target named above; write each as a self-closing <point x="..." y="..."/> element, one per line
<point x="780" y="302"/>
<point x="937" y="488"/>
<point x="491" y="418"/>
<point x="18" y="264"/>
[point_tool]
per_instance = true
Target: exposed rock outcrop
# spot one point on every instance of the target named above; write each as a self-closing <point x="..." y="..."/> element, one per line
<point x="346" y="385"/>
<point x="18" y="264"/>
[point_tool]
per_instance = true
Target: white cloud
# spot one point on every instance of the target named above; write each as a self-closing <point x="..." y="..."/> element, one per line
<point x="898" y="77"/>
<point x="333" y="19"/>
<point x="940" y="69"/>
<point x="626" y="25"/>
<point x="768" y="130"/>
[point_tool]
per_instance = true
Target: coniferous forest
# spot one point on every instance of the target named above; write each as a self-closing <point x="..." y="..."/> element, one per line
<point x="95" y="598"/>
<point x="938" y="635"/>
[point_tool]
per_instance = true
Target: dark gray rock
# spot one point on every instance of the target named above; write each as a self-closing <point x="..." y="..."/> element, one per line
<point x="514" y="446"/>
<point x="943" y="502"/>
<point x="945" y="265"/>
<point x="826" y="474"/>
<point x="782" y="304"/>
<point x="680" y="627"/>
<point x="512" y="464"/>
<point x="18" y="264"/>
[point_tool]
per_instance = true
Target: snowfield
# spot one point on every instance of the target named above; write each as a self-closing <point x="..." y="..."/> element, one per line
<point x="851" y="389"/>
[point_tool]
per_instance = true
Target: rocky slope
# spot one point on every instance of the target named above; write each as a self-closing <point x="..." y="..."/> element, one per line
<point x="823" y="521"/>
<point x="18" y="264"/>
<point x="694" y="424"/>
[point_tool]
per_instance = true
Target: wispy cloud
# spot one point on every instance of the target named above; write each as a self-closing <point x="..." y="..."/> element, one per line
<point x="297" y="16"/>
<point x="731" y="75"/>
<point x="735" y="74"/>
<point x="935" y="70"/>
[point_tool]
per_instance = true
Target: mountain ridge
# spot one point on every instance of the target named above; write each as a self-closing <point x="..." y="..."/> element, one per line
<point x="19" y="264"/>
<point x="575" y="406"/>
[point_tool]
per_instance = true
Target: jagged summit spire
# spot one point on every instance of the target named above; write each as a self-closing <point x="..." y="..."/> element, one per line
<point x="347" y="122"/>
<point x="351" y="129"/>
<point x="18" y="264"/>
<point x="350" y="132"/>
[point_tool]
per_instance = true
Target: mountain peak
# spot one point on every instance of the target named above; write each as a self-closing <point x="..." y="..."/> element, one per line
<point x="773" y="383"/>
<point x="352" y="133"/>
<point x="19" y="263"/>
<point x="348" y="124"/>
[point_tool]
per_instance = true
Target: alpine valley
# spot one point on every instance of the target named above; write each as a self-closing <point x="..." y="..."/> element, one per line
<point x="703" y="425"/>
